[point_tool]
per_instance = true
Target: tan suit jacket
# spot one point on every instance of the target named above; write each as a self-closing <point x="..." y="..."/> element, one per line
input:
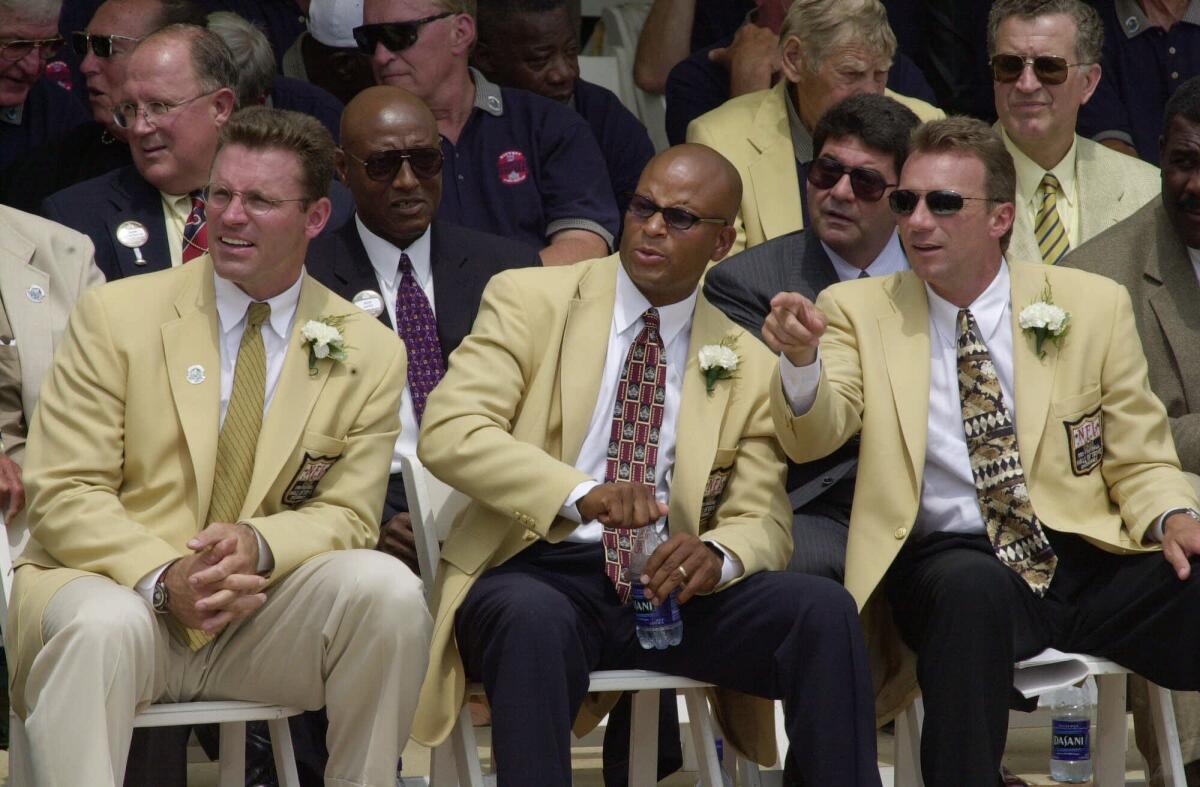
<point x="123" y="446"/>
<point x="875" y="375"/>
<point x="506" y="424"/>
<point x="1110" y="186"/>
<point x="1146" y="256"/>
<point x="752" y="132"/>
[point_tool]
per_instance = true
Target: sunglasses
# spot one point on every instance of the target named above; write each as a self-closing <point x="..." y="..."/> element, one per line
<point x="940" y="203"/>
<point x="867" y="184"/>
<point x="424" y="162"/>
<point x="19" y="49"/>
<point x="1049" y="69"/>
<point x="101" y="45"/>
<point x="675" y="218"/>
<point x="395" y="36"/>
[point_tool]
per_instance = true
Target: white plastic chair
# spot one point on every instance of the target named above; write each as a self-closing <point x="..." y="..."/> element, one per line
<point x="1108" y="746"/>
<point x="433" y="507"/>
<point x="617" y="36"/>
<point x="231" y="715"/>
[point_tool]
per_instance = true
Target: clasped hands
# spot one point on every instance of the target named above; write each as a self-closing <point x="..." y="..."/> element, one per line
<point x="218" y="584"/>
<point x="794" y="327"/>
<point x="683" y="561"/>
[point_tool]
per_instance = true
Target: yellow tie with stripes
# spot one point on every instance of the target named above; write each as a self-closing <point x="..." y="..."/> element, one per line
<point x="239" y="436"/>
<point x="1049" y="230"/>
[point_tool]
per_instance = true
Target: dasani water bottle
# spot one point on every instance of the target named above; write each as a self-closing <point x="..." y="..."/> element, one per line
<point x="657" y="627"/>
<point x="1070" y="742"/>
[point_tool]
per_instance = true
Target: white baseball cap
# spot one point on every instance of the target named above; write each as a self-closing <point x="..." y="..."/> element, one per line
<point x="332" y="22"/>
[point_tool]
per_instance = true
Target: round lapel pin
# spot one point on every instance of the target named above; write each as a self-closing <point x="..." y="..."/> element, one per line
<point x="369" y="301"/>
<point x="195" y="374"/>
<point x="36" y="293"/>
<point x="133" y="235"/>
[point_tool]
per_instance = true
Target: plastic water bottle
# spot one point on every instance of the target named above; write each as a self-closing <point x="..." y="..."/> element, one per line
<point x="657" y="627"/>
<point x="1070" y="742"/>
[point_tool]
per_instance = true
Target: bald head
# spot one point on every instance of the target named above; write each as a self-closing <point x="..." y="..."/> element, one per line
<point x="717" y="184"/>
<point x="384" y="106"/>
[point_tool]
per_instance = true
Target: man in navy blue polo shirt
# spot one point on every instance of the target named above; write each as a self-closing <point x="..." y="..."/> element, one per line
<point x="516" y="164"/>
<point x="532" y="45"/>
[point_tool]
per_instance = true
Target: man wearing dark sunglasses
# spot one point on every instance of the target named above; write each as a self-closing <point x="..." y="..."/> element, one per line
<point x="861" y="144"/>
<point x="1045" y="65"/>
<point x="1013" y="494"/>
<point x="516" y="164"/>
<point x="33" y="109"/>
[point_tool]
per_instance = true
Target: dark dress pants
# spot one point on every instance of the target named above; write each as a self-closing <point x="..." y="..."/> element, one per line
<point x="534" y="628"/>
<point x="969" y="618"/>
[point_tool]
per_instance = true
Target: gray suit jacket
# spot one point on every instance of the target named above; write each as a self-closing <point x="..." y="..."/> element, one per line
<point x="1145" y="255"/>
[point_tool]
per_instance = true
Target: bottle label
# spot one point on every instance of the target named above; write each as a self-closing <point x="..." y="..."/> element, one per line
<point x="650" y="616"/>
<point x="1070" y="740"/>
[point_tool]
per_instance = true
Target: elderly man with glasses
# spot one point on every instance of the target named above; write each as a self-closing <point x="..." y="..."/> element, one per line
<point x="33" y="109"/>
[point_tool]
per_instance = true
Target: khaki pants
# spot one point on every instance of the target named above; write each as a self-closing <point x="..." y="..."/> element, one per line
<point x="348" y="630"/>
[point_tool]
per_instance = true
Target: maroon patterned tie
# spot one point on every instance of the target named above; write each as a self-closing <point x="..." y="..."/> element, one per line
<point x="195" y="230"/>
<point x="633" y="443"/>
<point x="418" y="329"/>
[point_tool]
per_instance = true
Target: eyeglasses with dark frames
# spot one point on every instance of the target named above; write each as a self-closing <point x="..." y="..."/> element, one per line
<point x="14" y="49"/>
<point x="101" y="45"/>
<point x="941" y="202"/>
<point x="676" y="218"/>
<point x="1049" y="69"/>
<point x="867" y="184"/>
<point x="395" y="36"/>
<point x="384" y="165"/>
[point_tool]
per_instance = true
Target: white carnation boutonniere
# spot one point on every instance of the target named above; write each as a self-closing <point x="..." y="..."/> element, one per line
<point x="323" y="339"/>
<point x="718" y="362"/>
<point x="1044" y="320"/>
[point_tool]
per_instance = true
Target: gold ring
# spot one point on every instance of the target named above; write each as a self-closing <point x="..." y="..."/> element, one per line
<point x="682" y="572"/>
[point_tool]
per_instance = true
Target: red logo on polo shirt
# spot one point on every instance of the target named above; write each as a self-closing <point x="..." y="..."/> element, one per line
<point x="513" y="169"/>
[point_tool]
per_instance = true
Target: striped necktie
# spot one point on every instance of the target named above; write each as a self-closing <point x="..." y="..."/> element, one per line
<point x="1049" y="230"/>
<point x="195" y="229"/>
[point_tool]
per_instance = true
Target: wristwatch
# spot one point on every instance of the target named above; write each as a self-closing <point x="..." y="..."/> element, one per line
<point x="160" y="599"/>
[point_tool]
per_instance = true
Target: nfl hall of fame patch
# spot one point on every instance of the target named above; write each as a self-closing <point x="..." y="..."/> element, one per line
<point x="1085" y="441"/>
<point x="304" y="483"/>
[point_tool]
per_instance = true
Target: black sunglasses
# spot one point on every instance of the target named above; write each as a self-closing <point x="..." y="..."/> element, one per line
<point x="675" y="218"/>
<point x="941" y="202"/>
<point x="425" y="163"/>
<point x="395" y="36"/>
<point x="1049" y="69"/>
<point x="102" y="46"/>
<point x="867" y="184"/>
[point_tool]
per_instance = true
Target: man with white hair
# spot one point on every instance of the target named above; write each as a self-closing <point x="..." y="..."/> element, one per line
<point x="829" y="50"/>
<point x="326" y="54"/>
<point x="33" y="110"/>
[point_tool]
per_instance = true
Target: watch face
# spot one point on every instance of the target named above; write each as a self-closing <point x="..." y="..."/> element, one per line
<point x="160" y="597"/>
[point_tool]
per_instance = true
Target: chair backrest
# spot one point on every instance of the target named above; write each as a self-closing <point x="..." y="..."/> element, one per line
<point x="433" y="506"/>
<point x="605" y="71"/>
<point x="6" y="571"/>
<point x="619" y="29"/>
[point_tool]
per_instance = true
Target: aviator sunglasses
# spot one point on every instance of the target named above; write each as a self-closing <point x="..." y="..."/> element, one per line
<point x="867" y="184"/>
<point x="383" y="166"/>
<point x="395" y="36"/>
<point x="1049" y="69"/>
<point x="941" y="202"/>
<point x="675" y="218"/>
<point x="102" y="45"/>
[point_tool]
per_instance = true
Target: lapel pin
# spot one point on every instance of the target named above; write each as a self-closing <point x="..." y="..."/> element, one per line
<point x="133" y="235"/>
<point x="36" y="293"/>
<point x="369" y="301"/>
<point x="195" y="374"/>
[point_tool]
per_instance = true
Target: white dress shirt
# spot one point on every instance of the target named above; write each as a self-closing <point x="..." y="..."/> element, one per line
<point x="385" y="259"/>
<point x="1194" y="256"/>
<point x="675" y="330"/>
<point x="890" y="260"/>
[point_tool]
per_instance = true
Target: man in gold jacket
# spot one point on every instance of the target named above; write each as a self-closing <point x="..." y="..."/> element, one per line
<point x="204" y="492"/>
<point x="529" y="594"/>
<point x="1014" y="492"/>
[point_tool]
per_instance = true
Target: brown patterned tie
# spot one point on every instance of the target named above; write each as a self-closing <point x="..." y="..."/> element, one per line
<point x="1012" y="527"/>
<point x="633" y="442"/>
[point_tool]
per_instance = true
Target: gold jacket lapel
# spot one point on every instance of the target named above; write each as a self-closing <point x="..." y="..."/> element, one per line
<point x="773" y="173"/>
<point x="584" y="348"/>
<point x="905" y="335"/>
<point x="1033" y="377"/>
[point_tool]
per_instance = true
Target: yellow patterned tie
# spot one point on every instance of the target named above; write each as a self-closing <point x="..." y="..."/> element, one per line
<point x="1049" y="230"/>
<point x="239" y="436"/>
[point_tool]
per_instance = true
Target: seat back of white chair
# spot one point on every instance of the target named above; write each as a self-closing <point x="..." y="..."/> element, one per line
<point x="433" y="506"/>
<point x="621" y="25"/>
<point x="6" y="570"/>
<point x="605" y="71"/>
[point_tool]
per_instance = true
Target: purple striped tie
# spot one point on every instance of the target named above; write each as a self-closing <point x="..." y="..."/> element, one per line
<point x="418" y="329"/>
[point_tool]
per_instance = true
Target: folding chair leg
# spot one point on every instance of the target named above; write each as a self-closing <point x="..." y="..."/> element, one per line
<point x="233" y="754"/>
<point x="443" y="770"/>
<point x="747" y="774"/>
<point x="1109" y="746"/>
<point x="643" y="738"/>
<point x="285" y="755"/>
<point x="908" y="745"/>
<point x="20" y="764"/>
<point x="1167" y="735"/>
<point x="704" y="737"/>
<point x="466" y="754"/>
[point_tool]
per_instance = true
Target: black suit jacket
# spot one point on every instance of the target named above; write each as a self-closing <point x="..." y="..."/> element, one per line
<point x="97" y="207"/>
<point x="462" y="261"/>
<point x="742" y="287"/>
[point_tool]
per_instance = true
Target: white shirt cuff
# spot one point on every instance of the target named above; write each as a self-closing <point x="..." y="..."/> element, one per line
<point x="145" y="585"/>
<point x="568" y="510"/>
<point x="731" y="567"/>
<point x="800" y="383"/>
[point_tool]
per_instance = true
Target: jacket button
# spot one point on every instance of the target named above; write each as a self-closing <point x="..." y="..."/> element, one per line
<point x="530" y="535"/>
<point x="826" y="481"/>
<point x="901" y="532"/>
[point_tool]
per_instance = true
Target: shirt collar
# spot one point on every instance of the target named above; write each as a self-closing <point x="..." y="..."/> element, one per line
<point x="802" y="141"/>
<point x="1194" y="256"/>
<point x="232" y="303"/>
<point x="487" y="94"/>
<point x="1030" y="173"/>
<point x="385" y="255"/>
<point x="631" y="305"/>
<point x="12" y="115"/>
<point x="890" y="260"/>
<point x="1134" y="21"/>
<point x="988" y="309"/>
